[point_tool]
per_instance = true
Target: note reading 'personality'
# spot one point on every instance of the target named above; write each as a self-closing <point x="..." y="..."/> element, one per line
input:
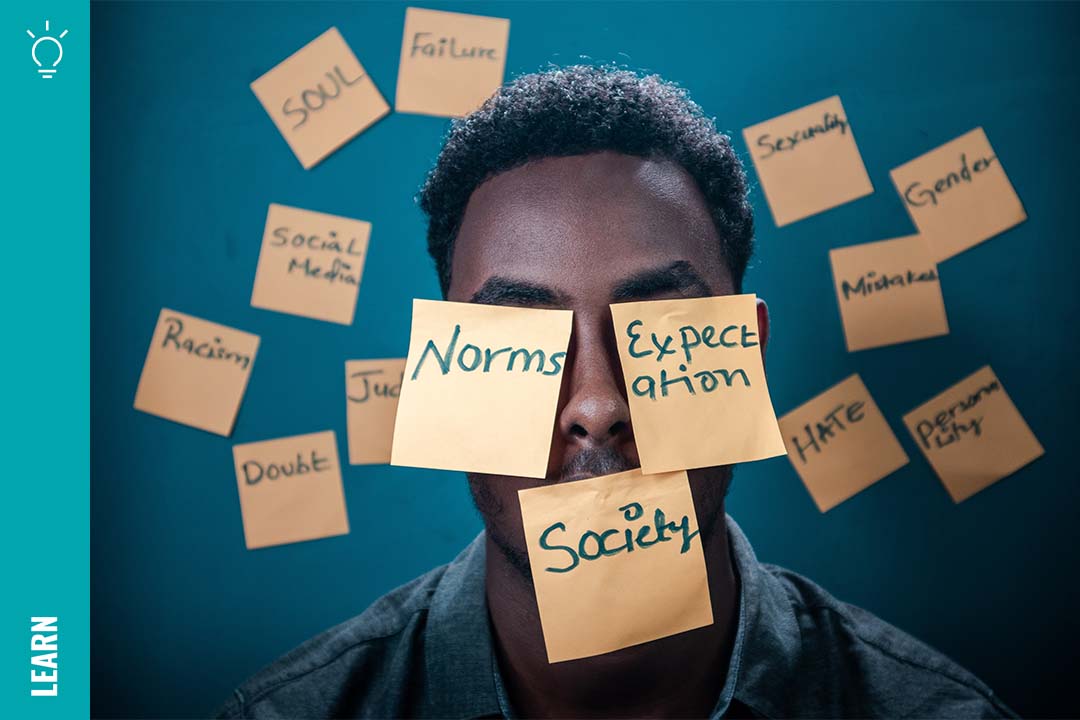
<point x="973" y="435"/>
<point x="372" y="388"/>
<point x="196" y="372"/>
<point x="840" y="444"/>
<point x="696" y="382"/>
<point x="807" y="161"/>
<point x="290" y="489"/>
<point x="958" y="195"/>
<point x="616" y="561"/>
<point x="888" y="292"/>
<point x="310" y="264"/>
<point x="481" y="388"/>
<point x="450" y="62"/>
<point x="320" y="97"/>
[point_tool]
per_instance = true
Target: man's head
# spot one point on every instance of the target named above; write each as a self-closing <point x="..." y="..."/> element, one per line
<point x="573" y="189"/>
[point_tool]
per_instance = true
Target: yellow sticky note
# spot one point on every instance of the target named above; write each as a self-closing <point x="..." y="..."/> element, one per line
<point x="450" y="62"/>
<point x="372" y="388"/>
<point x="481" y="388"/>
<point x="320" y="97"/>
<point x="840" y="444"/>
<point x="973" y="435"/>
<point x="696" y="382"/>
<point x="290" y="489"/>
<point x="196" y="372"/>
<point x="616" y="561"/>
<point x="958" y="194"/>
<point x="310" y="264"/>
<point x="807" y="161"/>
<point x="889" y="292"/>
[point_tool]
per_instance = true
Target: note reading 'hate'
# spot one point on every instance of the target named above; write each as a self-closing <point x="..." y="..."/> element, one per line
<point x="372" y="388"/>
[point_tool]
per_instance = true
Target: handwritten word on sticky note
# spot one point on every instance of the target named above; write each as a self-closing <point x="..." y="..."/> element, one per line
<point x="888" y="292"/>
<point x="973" y="435"/>
<point x="290" y="489"/>
<point x="310" y="264"/>
<point x="320" y="98"/>
<point x="450" y="62"/>
<point x="481" y="388"/>
<point x="196" y="372"/>
<point x="372" y="388"/>
<point x="958" y="195"/>
<point x="807" y="161"/>
<point x="696" y="382"/>
<point x="840" y="444"/>
<point x="616" y="561"/>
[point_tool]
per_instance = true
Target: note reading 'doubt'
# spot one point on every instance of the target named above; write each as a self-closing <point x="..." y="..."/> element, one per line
<point x="616" y="561"/>
<point x="807" y="161"/>
<point x="320" y="97"/>
<point x="196" y="372"/>
<point x="372" y="389"/>
<point x="695" y="380"/>
<point x="481" y="388"/>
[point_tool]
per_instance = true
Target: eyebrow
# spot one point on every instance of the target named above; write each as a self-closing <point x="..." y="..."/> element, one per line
<point x="506" y="291"/>
<point x="679" y="276"/>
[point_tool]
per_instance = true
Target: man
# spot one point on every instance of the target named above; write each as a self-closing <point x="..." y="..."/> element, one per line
<point x="577" y="188"/>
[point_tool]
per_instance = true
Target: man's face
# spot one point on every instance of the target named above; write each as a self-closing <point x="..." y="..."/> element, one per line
<point x="579" y="233"/>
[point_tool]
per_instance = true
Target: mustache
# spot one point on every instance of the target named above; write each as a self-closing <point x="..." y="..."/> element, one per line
<point x="594" y="462"/>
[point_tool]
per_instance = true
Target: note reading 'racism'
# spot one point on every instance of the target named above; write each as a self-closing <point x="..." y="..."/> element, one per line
<point x="372" y="388"/>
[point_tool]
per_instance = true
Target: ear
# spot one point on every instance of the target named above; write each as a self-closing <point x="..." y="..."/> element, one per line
<point x="763" y="327"/>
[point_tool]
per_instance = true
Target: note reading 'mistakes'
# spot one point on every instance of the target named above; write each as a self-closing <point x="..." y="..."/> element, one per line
<point x="372" y="388"/>
<point x="290" y="489"/>
<point x="320" y="98"/>
<point x="888" y="292"/>
<point x="807" y="161"/>
<point x="696" y="382"/>
<point x="973" y="435"/>
<point x="450" y="62"/>
<point x="196" y="372"/>
<point x="616" y="561"/>
<point x="958" y="195"/>
<point x="840" y="444"/>
<point x="310" y="264"/>
<point x="481" y="388"/>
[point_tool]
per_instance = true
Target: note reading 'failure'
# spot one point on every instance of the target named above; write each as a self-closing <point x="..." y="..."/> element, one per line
<point x="616" y="561"/>
<point x="888" y="292"/>
<point x="372" y="388"/>
<point x="840" y="444"/>
<point x="310" y="264"/>
<point x="320" y="98"/>
<point x="807" y="161"/>
<point x="958" y="195"/>
<point x="973" y="435"/>
<point x="450" y="62"/>
<point x="696" y="382"/>
<point x="196" y="372"/>
<point x="481" y="388"/>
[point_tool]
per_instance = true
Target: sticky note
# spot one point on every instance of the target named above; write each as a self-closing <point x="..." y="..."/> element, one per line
<point x="372" y="388"/>
<point x="973" y="435"/>
<point x="481" y="388"/>
<point x="290" y="489"/>
<point x="889" y="292"/>
<point x="320" y="97"/>
<point x="196" y="372"/>
<point x="840" y="444"/>
<point x="696" y="382"/>
<point x="450" y="62"/>
<point x="616" y="561"/>
<point x="958" y="194"/>
<point x="807" y="161"/>
<point x="310" y="264"/>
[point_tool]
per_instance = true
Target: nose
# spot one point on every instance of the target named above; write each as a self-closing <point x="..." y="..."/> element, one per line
<point x="596" y="412"/>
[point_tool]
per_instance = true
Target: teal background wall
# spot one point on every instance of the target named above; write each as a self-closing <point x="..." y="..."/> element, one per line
<point x="185" y="162"/>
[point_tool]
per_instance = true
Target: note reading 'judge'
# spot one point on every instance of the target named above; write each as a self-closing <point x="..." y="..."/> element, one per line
<point x="372" y="388"/>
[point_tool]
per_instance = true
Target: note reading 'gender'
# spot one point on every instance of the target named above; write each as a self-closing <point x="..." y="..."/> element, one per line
<point x="372" y="388"/>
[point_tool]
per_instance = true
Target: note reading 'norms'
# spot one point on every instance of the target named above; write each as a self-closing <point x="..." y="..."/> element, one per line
<point x="372" y="388"/>
<point x="481" y="388"/>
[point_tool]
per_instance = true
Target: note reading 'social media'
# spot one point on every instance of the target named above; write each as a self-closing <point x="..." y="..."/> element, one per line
<point x="696" y="382"/>
<point x="372" y="389"/>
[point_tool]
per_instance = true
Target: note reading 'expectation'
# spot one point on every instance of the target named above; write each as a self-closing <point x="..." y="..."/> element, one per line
<point x="196" y="372"/>
<point x="616" y="561"/>
<point x="481" y="388"/>
<point x="372" y="388"/>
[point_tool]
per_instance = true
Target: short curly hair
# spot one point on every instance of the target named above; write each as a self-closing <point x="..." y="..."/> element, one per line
<point x="579" y="110"/>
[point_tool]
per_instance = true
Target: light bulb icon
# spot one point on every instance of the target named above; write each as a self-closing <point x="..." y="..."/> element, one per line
<point x="41" y="45"/>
